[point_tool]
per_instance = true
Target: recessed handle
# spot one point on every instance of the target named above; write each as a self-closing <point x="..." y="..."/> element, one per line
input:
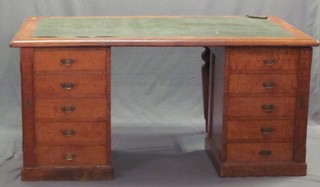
<point x="269" y="61"/>
<point x="269" y="85"/>
<point x="67" y="61"/>
<point x="67" y="85"/>
<point x="68" y="133"/>
<point x="266" y="130"/>
<point x="265" y="152"/>
<point x="69" y="156"/>
<point x="268" y="107"/>
<point x="68" y="109"/>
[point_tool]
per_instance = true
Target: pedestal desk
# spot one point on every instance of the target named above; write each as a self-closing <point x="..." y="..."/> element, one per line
<point x="255" y="91"/>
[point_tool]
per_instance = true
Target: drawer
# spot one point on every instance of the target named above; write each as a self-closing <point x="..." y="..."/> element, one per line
<point x="261" y="106"/>
<point x="71" y="109"/>
<point x="72" y="155"/>
<point x="62" y="85"/>
<point x="70" y="59"/>
<point x="260" y="130"/>
<point x="263" y="83"/>
<point x="71" y="133"/>
<point x="255" y="152"/>
<point x="263" y="58"/>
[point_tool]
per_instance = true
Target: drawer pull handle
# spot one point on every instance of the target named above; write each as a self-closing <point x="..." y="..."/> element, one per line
<point x="266" y="130"/>
<point x="269" y="62"/>
<point x="265" y="152"/>
<point x="68" y="85"/>
<point x="268" y="107"/>
<point x="67" y="61"/>
<point x="269" y="85"/>
<point x="68" y="133"/>
<point x="68" y="109"/>
<point x="69" y="156"/>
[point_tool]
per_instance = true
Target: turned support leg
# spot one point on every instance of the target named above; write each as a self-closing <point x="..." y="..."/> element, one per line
<point x="205" y="69"/>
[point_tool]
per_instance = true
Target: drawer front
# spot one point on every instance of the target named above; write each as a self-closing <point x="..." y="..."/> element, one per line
<point x="260" y="130"/>
<point x="70" y="59"/>
<point x="71" y="109"/>
<point x="259" y="152"/>
<point x="62" y="85"/>
<point x="261" y="106"/>
<point x="72" y="155"/>
<point x="263" y="83"/>
<point x="263" y="59"/>
<point x="71" y="133"/>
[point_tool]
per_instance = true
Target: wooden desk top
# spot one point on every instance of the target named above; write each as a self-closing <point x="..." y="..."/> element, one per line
<point x="159" y="31"/>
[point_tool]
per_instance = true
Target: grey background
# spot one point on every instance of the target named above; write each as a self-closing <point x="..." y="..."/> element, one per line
<point x="157" y="112"/>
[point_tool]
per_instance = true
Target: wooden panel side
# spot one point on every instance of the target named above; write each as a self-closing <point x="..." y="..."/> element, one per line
<point x="108" y="104"/>
<point x="302" y="104"/>
<point x="215" y="139"/>
<point x="26" y="65"/>
<point x="217" y="83"/>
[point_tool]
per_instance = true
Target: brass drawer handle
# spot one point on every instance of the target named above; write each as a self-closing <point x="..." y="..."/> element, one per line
<point x="269" y="85"/>
<point x="68" y="133"/>
<point x="268" y="107"/>
<point x="68" y="109"/>
<point x="67" y="61"/>
<point x="68" y="85"/>
<point x="269" y="61"/>
<point x="266" y="130"/>
<point x="69" y="156"/>
<point x="265" y="152"/>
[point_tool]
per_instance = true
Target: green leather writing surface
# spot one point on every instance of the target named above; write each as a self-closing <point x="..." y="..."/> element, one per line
<point x="158" y="27"/>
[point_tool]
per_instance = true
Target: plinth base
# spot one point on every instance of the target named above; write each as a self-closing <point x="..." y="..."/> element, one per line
<point x="67" y="173"/>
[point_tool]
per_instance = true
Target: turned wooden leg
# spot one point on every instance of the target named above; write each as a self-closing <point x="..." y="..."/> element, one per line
<point x="205" y="69"/>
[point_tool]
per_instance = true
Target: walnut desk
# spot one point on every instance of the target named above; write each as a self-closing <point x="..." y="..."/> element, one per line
<point x="255" y="91"/>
